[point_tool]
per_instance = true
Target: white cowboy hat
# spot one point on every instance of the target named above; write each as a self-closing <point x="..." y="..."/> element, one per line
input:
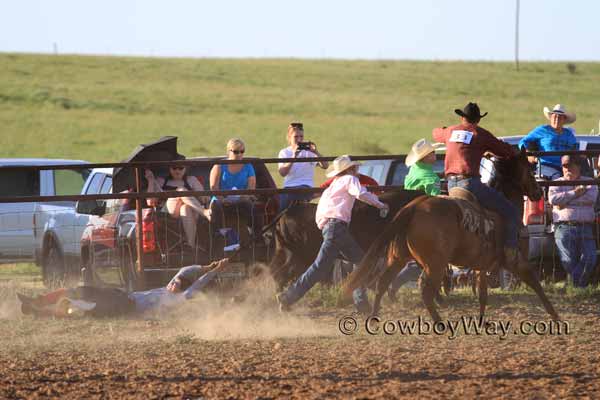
<point x="341" y="164"/>
<point x="559" y="109"/>
<point x="419" y="150"/>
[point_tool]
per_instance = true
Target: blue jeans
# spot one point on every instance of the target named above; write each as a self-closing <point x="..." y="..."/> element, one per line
<point x="549" y="172"/>
<point x="577" y="249"/>
<point x="336" y="240"/>
<point x="410" y="272"/>
<point x="494" y="201"/>
<point x="286" y="198"/>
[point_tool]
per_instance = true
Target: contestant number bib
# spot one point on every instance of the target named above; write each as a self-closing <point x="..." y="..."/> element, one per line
<point x="461" y="137"/>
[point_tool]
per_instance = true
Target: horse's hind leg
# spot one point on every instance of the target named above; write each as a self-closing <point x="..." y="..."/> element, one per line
<point x="384" y="282"/>
<point x="528" y="276"/>
<point x="431" y="286"/>
<point x="483" y="292"/>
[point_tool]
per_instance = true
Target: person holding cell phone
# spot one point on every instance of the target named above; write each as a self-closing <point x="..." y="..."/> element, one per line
<point x="298" y="174"/>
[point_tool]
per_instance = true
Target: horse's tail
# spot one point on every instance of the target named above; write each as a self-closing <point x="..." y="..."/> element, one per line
<point x="395" y="228"/>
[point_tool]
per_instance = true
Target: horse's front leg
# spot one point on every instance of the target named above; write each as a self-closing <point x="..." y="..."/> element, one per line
<point x="528" y="276"/>
<point x="483" y="292"/>
<point x="474" y="280"/>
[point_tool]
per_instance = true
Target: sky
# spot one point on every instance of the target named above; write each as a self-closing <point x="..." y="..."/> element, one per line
<point x="423" y="29"/>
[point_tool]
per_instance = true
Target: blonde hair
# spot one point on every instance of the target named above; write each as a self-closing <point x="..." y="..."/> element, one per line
<point x="235" y="143"/>
<point x="290" y="132"/>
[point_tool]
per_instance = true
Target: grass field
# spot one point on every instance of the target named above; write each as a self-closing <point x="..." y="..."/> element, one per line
<point x="100" y="108"/>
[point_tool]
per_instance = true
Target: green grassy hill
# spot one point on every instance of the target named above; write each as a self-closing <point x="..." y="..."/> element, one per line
<point x="100" y="108"/>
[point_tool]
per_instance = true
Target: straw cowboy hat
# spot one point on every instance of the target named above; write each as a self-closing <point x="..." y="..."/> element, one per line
<point x="560" y="110"/>
<point x="341" y="164"/>
<point x="420" y="150"/>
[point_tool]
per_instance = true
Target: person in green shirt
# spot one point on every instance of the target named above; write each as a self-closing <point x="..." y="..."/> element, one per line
<point x="420" y="176"/>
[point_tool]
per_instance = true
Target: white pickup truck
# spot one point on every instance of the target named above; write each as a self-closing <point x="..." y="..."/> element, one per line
<point x="47" y="233"/>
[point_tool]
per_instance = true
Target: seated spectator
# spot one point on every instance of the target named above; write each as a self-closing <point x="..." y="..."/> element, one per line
<point x="232" y="177"/>
<point x="113" y="302"/>
<point x="552" y="137"/>
<point x="188" y="209"/>
<point x="298" y="174"/>
<point x="573" y="216"/>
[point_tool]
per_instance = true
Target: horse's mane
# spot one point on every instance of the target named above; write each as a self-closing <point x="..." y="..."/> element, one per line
<point x="505" y="170"/>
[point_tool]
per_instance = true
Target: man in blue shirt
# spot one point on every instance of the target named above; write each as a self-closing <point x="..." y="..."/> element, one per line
<point x="552" y="137"/>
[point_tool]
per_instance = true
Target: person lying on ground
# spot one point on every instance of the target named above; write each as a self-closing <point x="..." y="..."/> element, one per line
<point x="114" y="302"/>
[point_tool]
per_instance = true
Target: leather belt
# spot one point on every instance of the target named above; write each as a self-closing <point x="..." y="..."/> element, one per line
<point x="459" y="176"/>
<point x="573" y="223"/>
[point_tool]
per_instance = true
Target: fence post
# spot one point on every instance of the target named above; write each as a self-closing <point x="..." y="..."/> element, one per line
<point x="141" y="277"/>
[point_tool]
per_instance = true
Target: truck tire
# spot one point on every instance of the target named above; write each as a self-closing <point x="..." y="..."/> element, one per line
<point x="54" y="270"/>
<point x="128" y="271"/>
<point x="87" y="273"/>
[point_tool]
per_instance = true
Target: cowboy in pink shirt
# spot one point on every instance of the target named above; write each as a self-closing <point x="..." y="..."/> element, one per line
<point x="333" y="218"/>
<point x="337" y="201"/>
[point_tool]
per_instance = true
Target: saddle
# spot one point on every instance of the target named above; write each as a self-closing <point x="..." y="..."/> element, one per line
<point x="477" y="219"/>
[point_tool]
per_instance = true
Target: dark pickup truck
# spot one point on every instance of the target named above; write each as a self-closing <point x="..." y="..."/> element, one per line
<point x="108" y="244"/>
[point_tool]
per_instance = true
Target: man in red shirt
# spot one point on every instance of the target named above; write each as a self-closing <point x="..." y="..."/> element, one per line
<point x="365" y="180"/>
<point x="465" y="145"/>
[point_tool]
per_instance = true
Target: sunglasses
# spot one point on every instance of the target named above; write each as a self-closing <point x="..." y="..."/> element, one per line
<point x="178" y="168"/>
<point x="297" y="125"/>
<point x="237" y="151"/>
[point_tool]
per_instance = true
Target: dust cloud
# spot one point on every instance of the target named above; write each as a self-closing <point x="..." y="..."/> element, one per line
<point x="249" y="313"/>
<point x="10" y="306"/>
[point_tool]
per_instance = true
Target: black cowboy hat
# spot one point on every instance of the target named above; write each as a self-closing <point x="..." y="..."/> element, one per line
<point x="471" y="112"/>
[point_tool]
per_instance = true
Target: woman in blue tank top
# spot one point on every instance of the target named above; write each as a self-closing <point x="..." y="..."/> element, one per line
<point x="232" y="177"/>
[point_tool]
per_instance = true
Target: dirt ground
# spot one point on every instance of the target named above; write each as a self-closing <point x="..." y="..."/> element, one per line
<point x="216" y="349"/>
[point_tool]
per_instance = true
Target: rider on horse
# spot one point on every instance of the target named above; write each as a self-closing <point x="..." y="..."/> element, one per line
<point x="466" y="144"/>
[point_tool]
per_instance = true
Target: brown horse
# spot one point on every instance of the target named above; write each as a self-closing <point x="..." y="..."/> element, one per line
<point x="298" y="239"/>
<point x="430" y="229"/>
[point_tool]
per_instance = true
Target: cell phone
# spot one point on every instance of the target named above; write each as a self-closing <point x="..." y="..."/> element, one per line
<point x="304" y="145"/>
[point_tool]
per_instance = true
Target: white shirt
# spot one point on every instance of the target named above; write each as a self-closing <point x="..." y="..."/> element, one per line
<point x="301" y="173"/>
<point x="338" y="199"/>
